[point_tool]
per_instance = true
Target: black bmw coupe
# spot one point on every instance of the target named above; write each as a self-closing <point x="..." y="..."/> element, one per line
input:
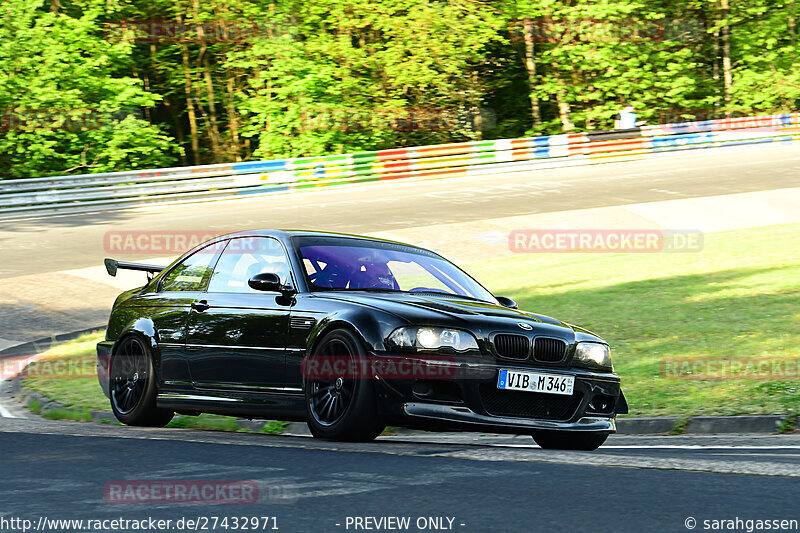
<point x="348" y="334"/>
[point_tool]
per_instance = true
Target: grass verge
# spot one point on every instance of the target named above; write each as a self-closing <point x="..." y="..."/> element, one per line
<point x="739" y="298"/>
<point x="66" y="374"/>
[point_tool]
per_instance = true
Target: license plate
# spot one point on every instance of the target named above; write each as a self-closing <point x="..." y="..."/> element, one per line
<point x="535" y="382"/>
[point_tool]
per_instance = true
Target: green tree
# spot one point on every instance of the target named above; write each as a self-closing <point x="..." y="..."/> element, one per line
<point x="764" y="74"/>
<point x="358" y="75"/>
<point x="591" y="56"/>
<point x="86" y="87"/>
<point x="63" y="108"/>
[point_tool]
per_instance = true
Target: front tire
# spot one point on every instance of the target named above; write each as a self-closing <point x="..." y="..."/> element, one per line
<point x="569" y="440"/>
<point x="341" y="408"/>
<point x="132" y="388"/>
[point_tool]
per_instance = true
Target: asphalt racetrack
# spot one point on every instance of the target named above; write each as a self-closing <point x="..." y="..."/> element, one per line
<point x="60" y="469"/>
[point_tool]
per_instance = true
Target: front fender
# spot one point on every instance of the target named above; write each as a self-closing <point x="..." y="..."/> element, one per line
<point x="370" y="326"/>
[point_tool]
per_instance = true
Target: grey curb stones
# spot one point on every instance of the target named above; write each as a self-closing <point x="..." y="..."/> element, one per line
<point x="702" y="425"/>
<point x="696" y="425"/>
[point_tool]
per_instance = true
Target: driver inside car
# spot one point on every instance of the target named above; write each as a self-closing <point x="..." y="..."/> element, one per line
<point x="374" y="276"/>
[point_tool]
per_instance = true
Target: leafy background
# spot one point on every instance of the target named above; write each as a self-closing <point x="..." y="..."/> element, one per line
<point x="84" y="88"/>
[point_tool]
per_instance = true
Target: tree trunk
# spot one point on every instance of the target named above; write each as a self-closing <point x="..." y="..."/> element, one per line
<point x="726" y="56"/>
<point x="792" y="30"/>
<point x="178" y="125"/>
<point x="564" y="112"/>
<point x="146" y="82"/>
<point x="213" y="132"/>
<point x="213" y="129"/>
<point x="715" y="68"/>
<point x="233" y="120"/>
<point x="187" y="85"/>
<point x="530" y="65"/>
<point x="268" y="120"/>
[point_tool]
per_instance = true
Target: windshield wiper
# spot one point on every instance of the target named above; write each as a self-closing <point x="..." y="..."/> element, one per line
<point x="452" y="295"/>
<point x="429" y="293"/>
<point x="350" y="289"/>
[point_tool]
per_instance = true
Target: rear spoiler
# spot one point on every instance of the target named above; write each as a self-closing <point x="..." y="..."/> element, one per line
<point x="112" y="265"/>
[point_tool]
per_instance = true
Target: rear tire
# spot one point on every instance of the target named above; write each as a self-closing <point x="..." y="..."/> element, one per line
<point x="132" y="387"/>
<point x="569" y="440"/>
<point x="342" y="408"/>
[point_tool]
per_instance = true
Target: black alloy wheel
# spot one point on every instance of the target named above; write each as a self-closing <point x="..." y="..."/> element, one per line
<point x="341" y="406"/>
<point x="133" y="387"/>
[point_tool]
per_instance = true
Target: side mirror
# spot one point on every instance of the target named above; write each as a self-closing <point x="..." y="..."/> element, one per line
<point x="505" y="301"/>
<point x="267" y="282"/>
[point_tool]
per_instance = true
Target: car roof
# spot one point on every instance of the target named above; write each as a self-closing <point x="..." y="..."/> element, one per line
<point x="287" y="234"/>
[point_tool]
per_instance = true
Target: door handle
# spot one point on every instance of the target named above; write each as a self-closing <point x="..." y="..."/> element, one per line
<point x="200" y="305"/>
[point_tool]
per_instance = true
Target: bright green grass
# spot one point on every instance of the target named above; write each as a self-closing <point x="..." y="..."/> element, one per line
<point x="75" y="390"/>
<point x="739" y="297"/>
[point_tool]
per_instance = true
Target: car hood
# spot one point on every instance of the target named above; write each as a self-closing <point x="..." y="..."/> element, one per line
<point x="417" y="308"/>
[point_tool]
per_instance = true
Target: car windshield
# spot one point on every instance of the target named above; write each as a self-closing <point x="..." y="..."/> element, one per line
<point x="345" y="264"/>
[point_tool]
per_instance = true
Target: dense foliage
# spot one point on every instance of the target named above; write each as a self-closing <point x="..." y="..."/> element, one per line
<point x="93" y="86"/>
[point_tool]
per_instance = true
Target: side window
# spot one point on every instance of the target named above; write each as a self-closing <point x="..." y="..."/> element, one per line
<point x="193" y="273"/>
<point x="245" y="257"/>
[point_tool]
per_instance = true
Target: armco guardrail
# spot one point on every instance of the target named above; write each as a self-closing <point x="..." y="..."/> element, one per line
<point x="117" y="190"/>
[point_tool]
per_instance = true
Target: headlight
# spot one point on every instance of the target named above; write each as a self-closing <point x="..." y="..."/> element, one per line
<point x="592" y="355"/>
<point x="425" y="338"/>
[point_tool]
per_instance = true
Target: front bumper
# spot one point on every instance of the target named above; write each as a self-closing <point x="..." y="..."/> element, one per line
<point x="463" y="416"/>
<point x="471" y="400"/>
